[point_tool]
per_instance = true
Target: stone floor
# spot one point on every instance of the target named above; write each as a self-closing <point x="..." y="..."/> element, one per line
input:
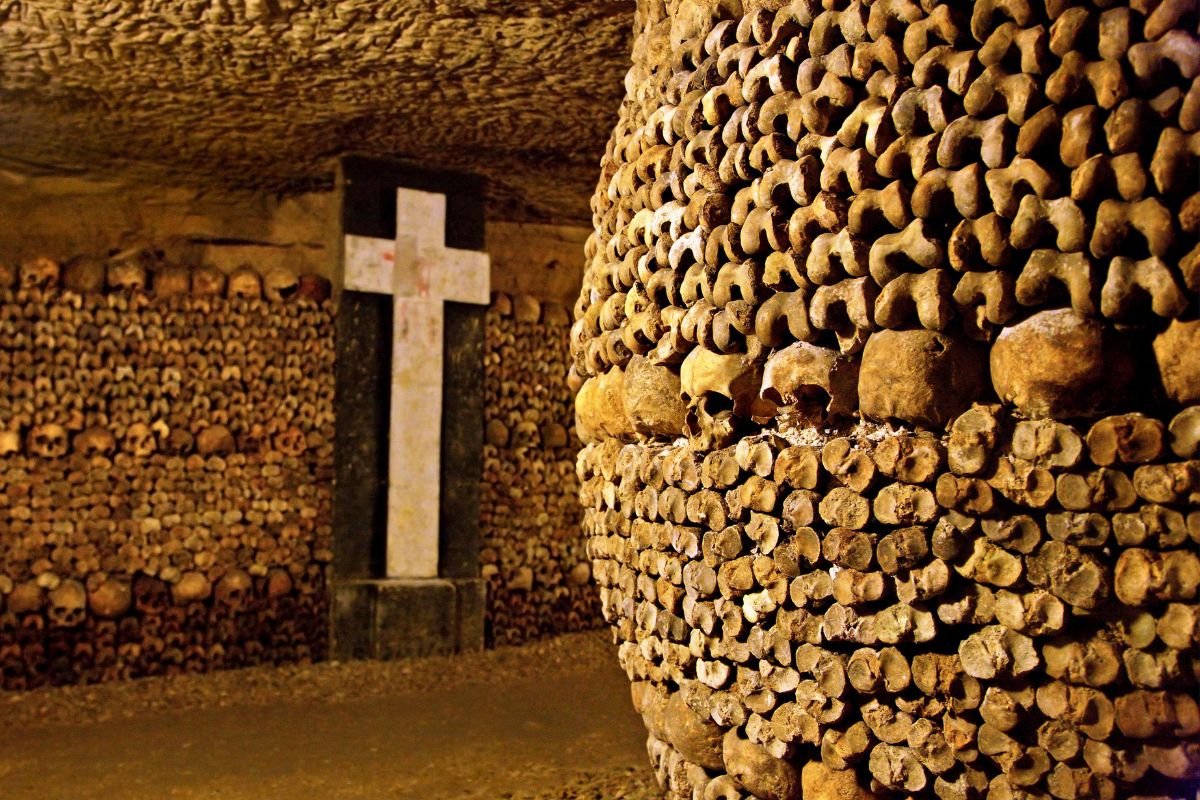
<point x="551" y="720"/>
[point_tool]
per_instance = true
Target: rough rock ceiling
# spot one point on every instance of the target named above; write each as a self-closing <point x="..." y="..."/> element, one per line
<point x="264" y="93"/>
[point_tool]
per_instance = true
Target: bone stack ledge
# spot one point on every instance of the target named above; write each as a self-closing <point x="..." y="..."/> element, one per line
<point x="890" y="397"/>
<point x="532" y="555"/>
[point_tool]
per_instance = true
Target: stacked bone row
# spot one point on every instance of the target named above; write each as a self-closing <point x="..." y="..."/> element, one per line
<point x="1009" y="610"/>
<point x="164" y="460"/>
<point x="533" y="557"/>
<point x="903" y="274"/>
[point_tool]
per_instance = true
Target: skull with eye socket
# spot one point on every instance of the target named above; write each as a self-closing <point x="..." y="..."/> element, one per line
<point x="245" y="284"/>
<point x="94" y="442"/>
<point x="139" y="440"/>
<point x="47" y="441"/>
<point x="40" y="273"/>
<point x="234" y="590"/>
<point x="128" y="271"/>
<point x="68" y="604"/>
<point x="280" y="284"/>
<point x="150" y="595"/>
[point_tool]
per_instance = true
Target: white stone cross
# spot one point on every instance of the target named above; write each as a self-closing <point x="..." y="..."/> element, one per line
<point x="422" y="275"/>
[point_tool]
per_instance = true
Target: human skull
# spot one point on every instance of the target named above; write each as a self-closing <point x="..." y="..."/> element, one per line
<point x="127" y="272"/>
<point x="804" y="374"/>
<point x="111" y="599"/>
<point x="252" y="439"/>
<point x="40" y="273"/>
<point x="192" y="587"/>
<point x="10" y="443"/>
<point x="172" y="281"/>
<point x="291" y="442"/>
<point x="68" y="604"/>
<point x="84" y="275"/>
<point x="244" y="283"/>
<point x="314" y="288"/>
<point x="150" y="595"/>
<point x="139" y="440"/>
<point x="215" y="440"/>
<point x="279" y="583"/>
<point x="48" y="441"/>
<point x="95" y="441"/>
<point x="8" y="275"/>
<point x="208" y="281"/>
<point x="279" y="284"/>
<point x="233" y="590"/>
<point x="180" y="441"/>
<point x="26" y="598"/>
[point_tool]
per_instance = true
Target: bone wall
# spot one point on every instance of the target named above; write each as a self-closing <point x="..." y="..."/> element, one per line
<point x="165" y="471"/>
<point x="533" y="556"/>
<point x="888" y="344"/>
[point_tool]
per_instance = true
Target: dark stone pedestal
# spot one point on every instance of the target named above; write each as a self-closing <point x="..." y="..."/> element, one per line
<point x="388" y="619"/>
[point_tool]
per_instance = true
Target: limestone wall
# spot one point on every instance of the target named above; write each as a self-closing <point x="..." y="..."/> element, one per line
<point x="63" y="217"/>
<point x="889" y="337"/>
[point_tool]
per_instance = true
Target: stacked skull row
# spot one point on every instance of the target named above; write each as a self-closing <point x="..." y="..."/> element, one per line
<point x="173" y="447"/>
<point x="919" y="176"/>
<point x="532" y="556"/>
<point x="977" y="224"/>
<point x="1008" y="610"/>
<point x="117" y="631"/>
<point x="142" y="271"/>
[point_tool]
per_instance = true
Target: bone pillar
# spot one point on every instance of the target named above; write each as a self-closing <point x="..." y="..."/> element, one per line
<point x="920" y="279"/>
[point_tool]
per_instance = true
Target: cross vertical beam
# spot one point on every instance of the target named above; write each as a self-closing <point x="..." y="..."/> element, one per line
<point x="421" y="274"/>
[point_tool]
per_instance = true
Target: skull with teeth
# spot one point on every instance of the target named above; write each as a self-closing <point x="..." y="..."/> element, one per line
<point x="68" y="604"/>
<point x="139" y="440"/>
<point x="244" y="283"/>
<point x="40" y="273"/>
<point x="48" y="441"/>
<point x="95" y="441"/>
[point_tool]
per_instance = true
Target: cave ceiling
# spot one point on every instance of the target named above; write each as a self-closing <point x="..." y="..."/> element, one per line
<point x="266" y="94"/>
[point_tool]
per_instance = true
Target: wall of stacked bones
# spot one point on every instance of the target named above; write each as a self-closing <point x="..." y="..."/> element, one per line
<point x="533" y="557"/>
<point x="892" y="370"/>
<point x="165" y="468"/>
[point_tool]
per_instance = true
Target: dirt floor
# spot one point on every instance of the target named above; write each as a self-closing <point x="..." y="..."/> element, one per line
<point x="551" y="721"/>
